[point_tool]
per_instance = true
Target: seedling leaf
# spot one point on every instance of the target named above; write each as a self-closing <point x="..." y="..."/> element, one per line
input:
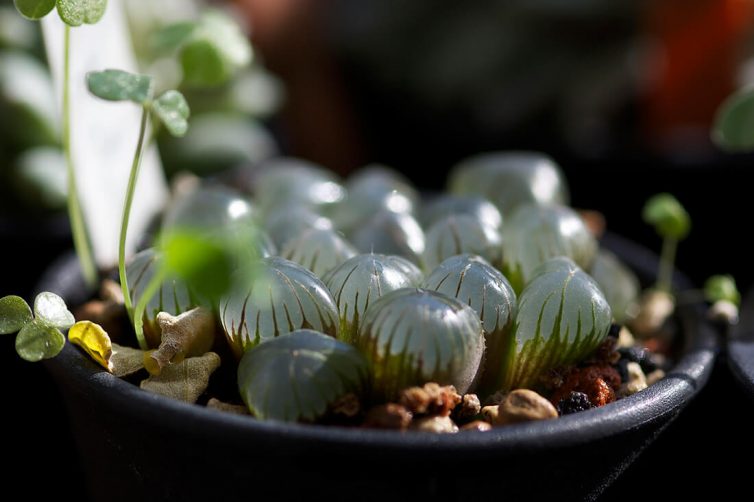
<point x="119" y="85"/>
<point x="78" y="12"/>
<point x="15" y="313"/>
<point x="51" y="309"/>
<point x="39" y="340"/>
<point x="173" y="110"/>
<point x="34" y="9"/>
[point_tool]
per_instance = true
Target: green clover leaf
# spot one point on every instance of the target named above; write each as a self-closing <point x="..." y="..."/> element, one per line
<point x="119" y="85"/>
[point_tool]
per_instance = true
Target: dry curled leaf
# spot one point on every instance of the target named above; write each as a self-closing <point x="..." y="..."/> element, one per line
<point x="185" y="381"/>
<point x="237" y="409"/>
<point x="94" y="340"/>
<point x="126" y="360"/>
<point x="188" y="334"/>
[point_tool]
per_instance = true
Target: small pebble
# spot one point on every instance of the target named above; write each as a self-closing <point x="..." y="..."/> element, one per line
<point x="636" y="380"/>
<point x="431" y="399"/>
<point x="469" y="407"/>
<point x="723" y="311"/>
<point x="625" y="338"/>
<point x="490" y="413"/>
<point x="236" y="409"/>
<point x="524" y="405"/>
<point x="573" y="403"/>
<point x="436" y="424"/>
<point x="477" y="425"/>
<point x="655" y="308"/>
<point x="388" y="416"/>
<point x="655" y="376"/>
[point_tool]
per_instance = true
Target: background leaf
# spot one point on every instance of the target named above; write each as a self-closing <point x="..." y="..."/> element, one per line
<point x="51" y="309"/>
<point x="734" y="124"/>
<point x="119" y="85"/>
<point x="667" y="215"/>
<point x="34" y="9"/>
<point x="173" y="110"/>
<point x="15" y="313"/>
<point x="78" y="12"/>
<point x="39" y="340"/>
<point x="172" y="36"/>
<point x="722" y="287"/>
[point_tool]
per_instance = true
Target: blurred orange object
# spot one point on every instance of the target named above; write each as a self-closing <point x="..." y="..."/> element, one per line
<point x="695" y="67"/>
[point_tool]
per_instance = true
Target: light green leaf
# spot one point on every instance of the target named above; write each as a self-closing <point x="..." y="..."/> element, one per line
<point x="15" y="313"/>
<point x="722" y="287"/>
<point x="562" y="317"/>
<point x="119" y="85"/>
<point x="39" y="340"/>
<point x="34" y="9"/>
<point x="667" y="215"/>
<point x="171" y="37"/>
<point x="78" y="12"/>
<point x="173" y="110"/>
<point x="203" y="64"/>
<point x="733" y="129"/>
<point x="51" y="309"/>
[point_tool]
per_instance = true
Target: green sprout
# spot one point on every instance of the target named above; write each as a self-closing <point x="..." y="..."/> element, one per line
<point x="40" y="333"/>
<point x="733" y="129"/>
<point x="73" y="13"/>
<point x="722" y="288"/>
<point x="672" y="223"/>
<point x="172" y="111"/>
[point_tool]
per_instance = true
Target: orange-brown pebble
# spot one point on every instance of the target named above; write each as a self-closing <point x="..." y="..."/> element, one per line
<point x="477" y="425"/>
<point x="599" y="382"/>
<point x="431" y="399"/>
<point x="388" y="416"/>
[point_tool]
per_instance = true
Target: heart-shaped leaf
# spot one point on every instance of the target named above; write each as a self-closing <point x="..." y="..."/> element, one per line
<point x="51" y="309"/>
<point x="562" y="317"/>
<point x="15" y="313"/>
<point x="172" y="36"/>
<point x="34" y="9"/>
<point x="298" y="375"/>
<point x="39" y="340"/>
<point x="119" y="85"/>
<point x="78" y="12"/>
<point x="734" y="124"/>
<point x="94" y="340"/>
<point x="667" y="215"/>
<point x="173" y="110"/>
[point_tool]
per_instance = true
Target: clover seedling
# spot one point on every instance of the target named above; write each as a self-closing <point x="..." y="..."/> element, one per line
<point x="73" y="13"/>
<point x="672" y="223"/>
<point x="172" y="111"/>
<point x="39" y="333"/>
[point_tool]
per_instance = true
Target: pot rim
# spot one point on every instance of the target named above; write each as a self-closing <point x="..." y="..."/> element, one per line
<point x="665" y="398"/>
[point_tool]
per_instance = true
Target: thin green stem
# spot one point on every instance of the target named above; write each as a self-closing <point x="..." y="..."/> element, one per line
<point x="132" y="178"/>
<point x="667" y="263"/>
<point x="78" y="228"/>
<point x="138" y="317"/>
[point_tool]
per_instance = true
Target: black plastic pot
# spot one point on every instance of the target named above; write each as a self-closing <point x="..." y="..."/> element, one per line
<point x="139" y="446"/>
<point x="740" y="347"/>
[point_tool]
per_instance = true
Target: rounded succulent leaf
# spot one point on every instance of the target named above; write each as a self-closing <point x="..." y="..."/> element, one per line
<point x="279" y="297"/>
<point x="414" y="336"/>
<point x="212" y="209"/>
<point x="391" y="233"/>
<point x="318" y="250"/>
<point x="291" y="222"/>
<point x="562" y="318"/>
<point x="39" y="340"/>
<point x="373" y="189"/>
<point x="460" y="234"/>
<point x="15" y="313"/>
<point x="473" y="281"/>
<point x="618" y="283"/>
<point x="510" y="179"/>
<point x="173" y="296"/>
<point x="446" y="205"/>
<point x="362" y="279"/>
<point x="298" y="376"/>
<point x="536" y="233"/>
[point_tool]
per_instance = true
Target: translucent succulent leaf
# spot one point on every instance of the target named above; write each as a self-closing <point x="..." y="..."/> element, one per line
<point x="414" y="336"/>
<point x="510" y="179"/>
<point x="618" y="283"/>
<point x="289" y="182"/>
<point x="185" y="381"/>
<point x="473" y="281"/>
<point x="94" y="341"/>
<point x="733" y="129"/>
<point x="279" y="297"/>
<point x="173" y="110"/>
<point x="78" y="12"/>
<point x="15" y="313"/>
<point x="562" y="318"/>
<point x="392" y="234"/>
<point x="119" y="85"/>
<point x="667" y="215"/>
<point x="39" y="340"/>
<point x="362" y="279"/>
<point x="34" y="9"/>
<point x="318" y="250"/>
<point x="211" y="208"/>
<point x="39" y="177"/>
<point x="51" y="309"/>
<point x="370" y="190"/>
<point x="296" y="377"/>
<point x="173" y="296"/>
<point x="721" y="288"/>
<point x="459" y="234"/>
<point x="291" y="222"/>
<point x="446" y="205"/>
<point x="536" y="233"/>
